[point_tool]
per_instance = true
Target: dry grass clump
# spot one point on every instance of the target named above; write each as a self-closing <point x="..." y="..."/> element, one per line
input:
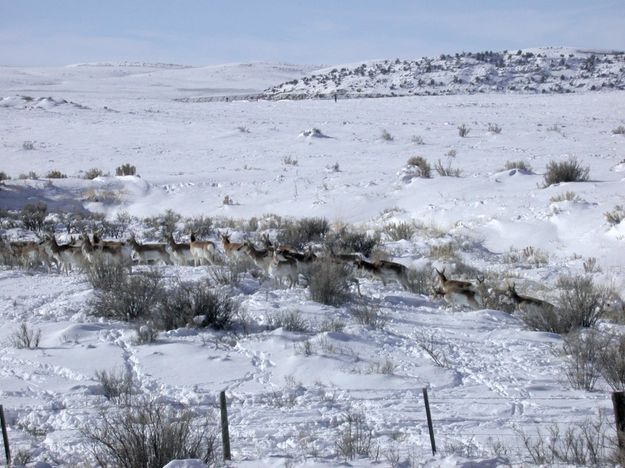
<point x="520" y="165"/>
<point x="55" y="174"/>
<point x="615" y="216"/>
<point x="446" y="171"/>
<point x="565" y="171"/>
<point x="399" y="231"/>
<point x="463" y="130"/>
<point x="425" y="170"/>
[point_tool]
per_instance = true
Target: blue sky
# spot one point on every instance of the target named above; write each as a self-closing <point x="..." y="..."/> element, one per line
<point x="322" y="32"/>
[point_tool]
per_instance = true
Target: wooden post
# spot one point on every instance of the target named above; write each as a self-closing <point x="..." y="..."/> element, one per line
<point x="225" y="433"/>
<point x="618" y="401"/>
<point x="429" y="416"/>
<point x="5" y="436"/>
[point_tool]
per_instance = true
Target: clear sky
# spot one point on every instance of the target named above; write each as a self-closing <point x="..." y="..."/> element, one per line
<point x="320" y="32"/>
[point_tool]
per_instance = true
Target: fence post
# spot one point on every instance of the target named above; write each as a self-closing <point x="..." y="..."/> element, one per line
<point x="618" y="401"/>
<point x="429" y="416"/>
<point x="225" y="433"/>
<point x="5" y="436"/>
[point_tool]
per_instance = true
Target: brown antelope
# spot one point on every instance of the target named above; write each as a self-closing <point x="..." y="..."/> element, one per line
<point x="462" y="293"/>
<point x="385" y="271"/>
<point x="231" y="249"/>
<point x="262" y="258"/>
<point x="180" y="253"/>
<point x="125" y="251"/>
<point x="201" y="251"/>
<point x="282" y="267"/>
<point x="527" y="304"/>
<point x="149" y="253"/>
<point x="66" y="256"/>
<point x="29" y="253"/>
<point x="110" y="252"/>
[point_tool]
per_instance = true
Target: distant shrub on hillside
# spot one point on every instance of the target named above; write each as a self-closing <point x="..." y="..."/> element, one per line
<point x="3" y="176"/>
<point x="565" y="171"/>
<point x="126" y="170"/>
<point x="93" y="173"/>
<point x="620" y="130"/>
<point x="386" y="136"/>
<point x="55" y="174"/>
<point x="463" y="130"/>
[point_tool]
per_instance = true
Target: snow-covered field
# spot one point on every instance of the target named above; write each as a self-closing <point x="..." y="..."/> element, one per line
<point x="288" y="399"/>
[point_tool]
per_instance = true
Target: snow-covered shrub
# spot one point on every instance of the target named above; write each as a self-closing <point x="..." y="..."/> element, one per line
<point x="150" y="434"/>
<point x="93" y="173"/>
<point x="386" y="136"/>
<point x="328" y="282"/>
<point x="399" y="231"/>
<point x="134" y="298"/>
<point x="565" y="171"/>
<point x="588" y="443"/>
<point x="463" y="130"/>
<point x="349" y="241"/>
<point x="33" y="216"/>
<point x="613" y="363"/>
<point x="566" y="196"/>
<point x="299" y="233"/>
<point x="201" y="226"/>
<point x="194" y="304"/>
<point x="446" y="171"/>
<point x="125" y="170"/>
<point x="32" y="175"/>
<point x="446" y="251"/>
<point x="289" y="161"/>
<point x="417" y="140"/>
<point x="582" y="302"/>
<point x="368" y="316"/>
<point x="106" y="275"/>
<point x="494" y="128"/>
<point x="420" y="281"/>
<point x="165" y="223"/>
<point x="355" y="437"/>
<point x="28" y="145"/>
<point x="620" y="130"/>
<point x="115" y="384"/>
<point x="438" y="350"/>
<point x="145" y="334"/>
<point x="290" y="320"/>
<point x="420" y="163"/>
<point x="26" y="337"/>
<point x="615" y="216"/>
<point x="583" y="358"/>
<point x="4" y="176"/>
<point x="520" y="165"/>
<point x="55" y="174"/>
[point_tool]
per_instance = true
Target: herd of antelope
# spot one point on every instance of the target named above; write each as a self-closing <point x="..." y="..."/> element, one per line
<point x="281" y="262"/>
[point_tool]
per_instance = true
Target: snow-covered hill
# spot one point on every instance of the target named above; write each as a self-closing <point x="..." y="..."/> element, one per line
<point x="536" y="70"/>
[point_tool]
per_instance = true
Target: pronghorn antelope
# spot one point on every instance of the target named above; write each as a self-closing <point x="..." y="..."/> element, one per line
<point x="231" y="249"/>
<point x="262" y="258"/>
<point x="462" y="293"/>
<point x="201" y="251"/>
<point x="112" y="246"/>
<point x="180" y="253"/>
<point x="29" y="253"/>
<point x="66" y="256"/>
<point x="109" y="252"/>
<point x="149" y="253"/>
<point x="385" y="271"/>
<point x="527" y="304"/>
<point x="282" y="267"/>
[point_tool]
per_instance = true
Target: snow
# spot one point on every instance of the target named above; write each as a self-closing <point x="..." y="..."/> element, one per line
<point x="286" y="406"/>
